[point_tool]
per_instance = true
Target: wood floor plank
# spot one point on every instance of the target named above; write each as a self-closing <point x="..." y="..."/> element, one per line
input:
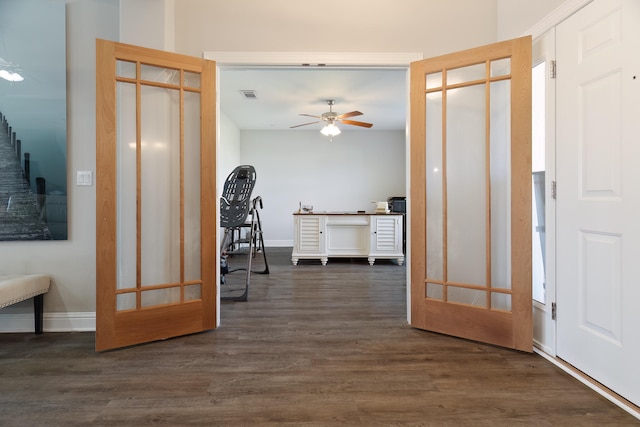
<point x="313" y="346"/>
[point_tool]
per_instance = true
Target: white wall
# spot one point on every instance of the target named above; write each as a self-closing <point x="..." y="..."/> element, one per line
<point x="358" y="167"/>
<point x="433" y="27"/>
<point x="147" y="23"/>
<point x="517" y="16"/>
<point x="228" y="148"/>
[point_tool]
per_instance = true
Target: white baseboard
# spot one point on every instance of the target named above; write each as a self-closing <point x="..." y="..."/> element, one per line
<point x="278" y="243"/>
<point x="52" y="322"/>
<point x="592" y="384"/>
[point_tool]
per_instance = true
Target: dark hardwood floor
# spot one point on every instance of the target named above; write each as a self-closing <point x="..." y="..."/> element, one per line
<point x="312" y="346"/>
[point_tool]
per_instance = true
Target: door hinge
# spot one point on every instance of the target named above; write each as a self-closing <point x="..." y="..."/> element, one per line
<point x="552" y="69"/>
<point x="554" y="312"/>
<point x="553" y="190"/>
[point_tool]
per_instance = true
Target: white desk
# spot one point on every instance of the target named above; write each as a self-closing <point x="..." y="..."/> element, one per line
<point x="323" y="235"/>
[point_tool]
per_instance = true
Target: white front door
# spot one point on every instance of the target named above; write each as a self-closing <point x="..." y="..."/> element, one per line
<point x="598" y="204"/>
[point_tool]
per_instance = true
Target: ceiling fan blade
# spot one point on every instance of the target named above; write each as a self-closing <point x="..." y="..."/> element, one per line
<point x="310" y="115"/>
<point x="355" y="123"/>
<point x="349" y="114"/>
<point x="304" y="124"/>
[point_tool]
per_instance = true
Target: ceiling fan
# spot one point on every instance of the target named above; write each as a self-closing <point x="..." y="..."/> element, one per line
<point x="331" y="118"/>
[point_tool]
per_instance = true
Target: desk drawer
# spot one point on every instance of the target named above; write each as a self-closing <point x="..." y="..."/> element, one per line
<point x="348" y="220"/>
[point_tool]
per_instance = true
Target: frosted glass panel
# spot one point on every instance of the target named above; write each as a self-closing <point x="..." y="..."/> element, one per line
<point x="500" y="301"/>
<point x="126" y="183"/>
<point x="434" y="250"/>
<point x="126" y="301"/>
<point x="434" y="291"/>
<point x="126" y="69"/>
<point x="160" y="186"/>
<point x="501" y="67"/>
<point x="192" y="186"/>
<point x="434" y="80"/>
<point x="500" y="184"/>
<point x="160" y="297"/>
<point x="159" y="74"/>
<point x="466" y="74"/>
<point x="472" y="297"/>
<point x="192" y="292"/>
<point x="191" y="79"/>
<point x="466" y="186"/>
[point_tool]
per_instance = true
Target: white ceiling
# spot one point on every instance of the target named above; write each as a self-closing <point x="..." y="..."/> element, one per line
<point x="284" y="93"/>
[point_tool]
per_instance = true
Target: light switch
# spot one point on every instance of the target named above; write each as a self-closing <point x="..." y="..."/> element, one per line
<point x="83" y="178"/>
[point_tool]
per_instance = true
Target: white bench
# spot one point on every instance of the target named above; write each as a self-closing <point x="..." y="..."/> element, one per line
<point x="19" y="287"/>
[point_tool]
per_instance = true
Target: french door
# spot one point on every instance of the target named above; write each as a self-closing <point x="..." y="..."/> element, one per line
<point x="471" y="194"/>
<point x="155" y="195"/>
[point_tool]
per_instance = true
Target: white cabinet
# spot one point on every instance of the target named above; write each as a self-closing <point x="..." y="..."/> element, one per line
<point x="309" y="238"/>
<point x="371" y="236"/>
<point x="386" y="238"/>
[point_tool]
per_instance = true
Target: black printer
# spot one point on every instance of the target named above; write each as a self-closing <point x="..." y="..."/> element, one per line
<point x="397" y="204"/>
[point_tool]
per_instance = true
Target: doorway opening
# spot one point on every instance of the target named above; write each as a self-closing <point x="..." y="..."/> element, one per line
<point x="360" y="164"/>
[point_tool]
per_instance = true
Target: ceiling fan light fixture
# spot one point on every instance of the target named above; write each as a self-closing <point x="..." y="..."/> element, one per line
<point x="330" y="130"/>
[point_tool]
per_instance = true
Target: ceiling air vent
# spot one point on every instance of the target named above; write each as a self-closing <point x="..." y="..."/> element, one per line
<point x="249" y="94"/>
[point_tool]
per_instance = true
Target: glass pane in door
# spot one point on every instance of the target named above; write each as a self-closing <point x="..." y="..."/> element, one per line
<point x="433" y="80"/>
<point x="500" y="169"/>
<point x="160" y="186"/>
<point x="192" y="186"/>
<point x="466" y="192"/>
<point x="466" y="296"/>
<point x="466" y="74"/>
<point x="434" y="198"/>
<point x="500" y="301"/>
<point x="435" y="291"/>
<point x="156" y="297"/>
<point x="160" y="74"/>
<point x="126" y="69"/>
<point x="191" y="79"/>
<point x="501" y="67"/>
<point x="126" y="186"/>
<point x="126" y="301"/>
